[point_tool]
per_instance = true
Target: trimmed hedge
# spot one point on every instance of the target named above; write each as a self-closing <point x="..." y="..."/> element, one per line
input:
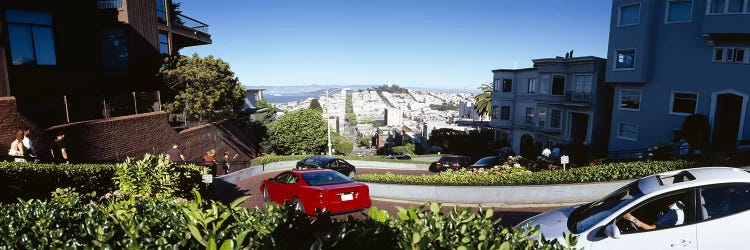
<point x="69" y="221"/>
<point x="276" y="158"/>
<point x="36" y="181"/>
<point x="605" y="172"/>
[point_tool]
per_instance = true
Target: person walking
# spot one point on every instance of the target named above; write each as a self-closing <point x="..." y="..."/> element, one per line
<point x="16" y="147"/>
<point x="30" y="152"/>
<point x="226" y="163"/>
<point x="175" y="154"/>
<point x="59" y="150"/>
<point x="210" y="161"/>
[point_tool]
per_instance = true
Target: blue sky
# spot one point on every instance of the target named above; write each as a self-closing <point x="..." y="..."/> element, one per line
<point x="423" y="43"/>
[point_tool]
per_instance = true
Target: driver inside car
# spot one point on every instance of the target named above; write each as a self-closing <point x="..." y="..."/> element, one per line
<point x="671" y="214"/>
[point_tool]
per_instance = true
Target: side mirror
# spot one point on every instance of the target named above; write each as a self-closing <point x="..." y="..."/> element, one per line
<point x="612" y="231"/>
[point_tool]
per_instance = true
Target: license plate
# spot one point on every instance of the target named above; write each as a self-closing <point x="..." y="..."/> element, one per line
<point x="347" y="197"/>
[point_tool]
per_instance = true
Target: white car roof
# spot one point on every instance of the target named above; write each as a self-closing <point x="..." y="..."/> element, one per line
<point x="692" y="177"/>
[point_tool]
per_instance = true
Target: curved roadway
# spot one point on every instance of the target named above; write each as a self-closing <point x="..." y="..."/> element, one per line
<point x="510" y="216"/>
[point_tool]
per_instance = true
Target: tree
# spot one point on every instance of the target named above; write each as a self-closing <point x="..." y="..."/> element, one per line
<point x="260" y="123"/>
<point x="343" y="147"/>
<point x="205" y="87"/>
<point x="484" y="100"/>
<point x="315" y="105"/>
<point x="407" y="149"/>
<point x="365" y="141"/>
<point x="262" y="104"/>
<point x="301" y="131"/>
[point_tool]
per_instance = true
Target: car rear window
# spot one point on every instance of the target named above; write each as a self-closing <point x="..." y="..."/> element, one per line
<point x="322" y="178"/>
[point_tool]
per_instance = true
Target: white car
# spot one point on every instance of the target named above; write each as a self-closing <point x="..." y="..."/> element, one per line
<point x="709" y="209"/>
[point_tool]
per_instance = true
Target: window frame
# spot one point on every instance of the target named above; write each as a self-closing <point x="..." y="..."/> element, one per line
<point x="575" y="82"/>
<point x="668" y="7"/>
<point x="552" y="84"/>
<point x="532" y="85"/>
<point x="510" y="85"/>
<point x="529" y="116"/>
<point x="619" y="136"/>
<point x="614" y="62"/>
<point x="497" y="85"/>
<point x="690" y="219"/>
<point x="559" y="118"/>
<point x="640" y="100"/>
<point x="725" y="11"/>
<point x="30" y="27"/>
<point x="169" y="50"/>
<point x="501" y="113"/>
<point x="619" y="14"/>
<point x="494" y="112"/>
<point x="671" y="103"/>
<point x="723" y="54"/>
<point x="699" y="194"/>
<point x="541" y="120"/>
<point x="542" y="84"/>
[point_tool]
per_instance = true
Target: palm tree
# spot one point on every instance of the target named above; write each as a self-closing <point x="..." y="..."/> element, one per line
<point x="484" y="100"/>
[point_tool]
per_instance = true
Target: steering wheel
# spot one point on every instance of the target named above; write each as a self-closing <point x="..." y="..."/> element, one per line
<point x="627" y="226"/>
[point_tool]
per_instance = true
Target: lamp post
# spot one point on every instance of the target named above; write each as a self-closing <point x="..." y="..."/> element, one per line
<point x="328" y="122"/>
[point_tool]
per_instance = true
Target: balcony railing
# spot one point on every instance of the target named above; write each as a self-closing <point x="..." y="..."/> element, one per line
<point x="191" y="23"/>
<point x="582" y="97"/>
<point x="109" y="4"/>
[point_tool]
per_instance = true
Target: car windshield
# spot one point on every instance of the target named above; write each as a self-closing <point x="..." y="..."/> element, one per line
<point x="485" y="161"/>
<point x="449" y="160"/>
<point x="588" y="215"/>
<point x="322" y="178"/>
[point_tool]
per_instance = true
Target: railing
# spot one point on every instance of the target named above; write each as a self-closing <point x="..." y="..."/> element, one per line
<point x="188" y="22"/>
<point x="109" y="4"/>
<point x="578" y="97"/>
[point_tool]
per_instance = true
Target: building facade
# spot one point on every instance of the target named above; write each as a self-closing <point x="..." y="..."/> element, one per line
<point x="560" y="101"/>
<point x="67" y="61"/>
<point x="671" y="59"/>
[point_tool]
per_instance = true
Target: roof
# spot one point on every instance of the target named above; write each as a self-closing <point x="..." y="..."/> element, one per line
<point x="703" y="176"/>
<point x="248" y="90"/>
<point x="574" y="60"/>
<point x="512" y="70"/>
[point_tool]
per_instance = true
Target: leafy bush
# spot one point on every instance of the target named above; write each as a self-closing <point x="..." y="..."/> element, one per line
<point x="605" y="172"/>
<point x="128" y="222"/>
<point x="407" y="149"/>
<point x="157" y="176"/>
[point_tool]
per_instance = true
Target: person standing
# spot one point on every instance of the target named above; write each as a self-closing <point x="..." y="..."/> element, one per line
<point x="175" y="154"/>
<point x="210" y="161"/>
<point x="30" y="150"/>
<point x="225" y="162"/>
<point x="59" y="150"/>
<point x="16" y="147"/>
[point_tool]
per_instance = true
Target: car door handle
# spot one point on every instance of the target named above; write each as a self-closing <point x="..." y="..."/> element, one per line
<point x="681" y="243"/>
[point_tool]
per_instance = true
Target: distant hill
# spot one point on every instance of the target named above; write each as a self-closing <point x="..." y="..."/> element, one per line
<point x="316" y="89"/>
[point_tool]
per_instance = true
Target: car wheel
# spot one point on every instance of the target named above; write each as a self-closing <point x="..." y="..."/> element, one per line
<point x="352" y="173"/>
<point x="266" y="197"/>
<point x="298" y="205"/>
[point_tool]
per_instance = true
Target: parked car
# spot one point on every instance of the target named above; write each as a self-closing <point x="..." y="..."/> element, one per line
<point x="487" y="162"/>
<point x="453" y="162"/>
<point x="700" y="208"/>
<point x="327" y="162"/>
<point x="398" y="157"/>
<point x="320" y="189"/>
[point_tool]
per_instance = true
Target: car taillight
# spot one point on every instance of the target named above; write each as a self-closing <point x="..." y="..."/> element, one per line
<point x="439" y="164"/>
<point x="455" y="165"/>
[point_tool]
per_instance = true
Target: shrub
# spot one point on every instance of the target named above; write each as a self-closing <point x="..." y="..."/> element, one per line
<point x="157" y="176"/>
<point x="605" y="172"/>
<point x="276" y="158"/>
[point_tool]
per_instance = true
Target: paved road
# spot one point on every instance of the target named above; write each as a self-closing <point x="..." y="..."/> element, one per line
<point x="510" y="216"/>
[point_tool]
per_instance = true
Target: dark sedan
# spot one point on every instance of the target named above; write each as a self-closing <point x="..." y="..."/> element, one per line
<point x="327" y="162"/>
<point x="453" y="162"/>
<point x="487" y="162"/>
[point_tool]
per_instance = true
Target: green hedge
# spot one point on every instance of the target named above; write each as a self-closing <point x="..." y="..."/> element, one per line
<point x="276" y="158"/>
<point x="68" y="220"/>
<point x="605" y="172"/>
<point x="146" y="177"/>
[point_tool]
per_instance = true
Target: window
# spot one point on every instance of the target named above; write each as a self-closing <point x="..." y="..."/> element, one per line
<point x="628" y="131"/>
<point x="679" y="11"/>
<point x="532" y="85"/>
<point x="497" y="85"/>
<point x="683" y="103"/>
<point x="507" y="85"/>
<point x="625" y="59"/>
<point x="718" y="55"/>
<point x="723" y="200"/>
<point x="558" y="85"/>
<point x="727" y="6"/>
<point x="554" y="119"/>
<point x="114" y="49"/>
<point x="546" y="82"/>
<point x="161" y="12"/>
<point x="31" y="38"/>
<point x="494" y="111"/>
<point x="542" y="118"/>
<point x="505" y="113"/>
<point x="671" y="210"/>
<point x="729" y="55"/>
<point x="163" y="43"/>
<point x="583" y="83"/>
<point x="630" y="99"/>
<point x="530" y="115"/>
<point x="629" y="14"/>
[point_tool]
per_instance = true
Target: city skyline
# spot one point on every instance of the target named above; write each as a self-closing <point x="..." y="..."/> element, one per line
<point x="435" y="44"/>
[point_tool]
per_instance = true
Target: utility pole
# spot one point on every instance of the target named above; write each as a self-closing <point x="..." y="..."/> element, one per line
<point x="328" y="122"/>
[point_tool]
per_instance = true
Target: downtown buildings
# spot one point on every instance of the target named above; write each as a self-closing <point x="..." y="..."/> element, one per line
<point x="67" y="61"/>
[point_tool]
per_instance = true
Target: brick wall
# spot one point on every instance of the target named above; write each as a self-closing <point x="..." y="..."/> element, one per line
<point x="128" y="136"/>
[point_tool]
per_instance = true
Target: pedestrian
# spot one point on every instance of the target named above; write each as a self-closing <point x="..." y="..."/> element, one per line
<point x="546" y="152"/>
<point x="59" y="150"/>
<point x="684" y="148"/>
<point x="16" y="147"/>
<point x="175" y="154"/>
<point x="210" y="161"/>
<point x="226" y="162"/>
<point x="556" y="151"/>
<point x="30" y="151"/>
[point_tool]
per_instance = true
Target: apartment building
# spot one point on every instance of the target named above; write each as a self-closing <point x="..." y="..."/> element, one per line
<point x="558" y="101"/>
<point x="671" y="59"/>
<point x="67" y="61"/>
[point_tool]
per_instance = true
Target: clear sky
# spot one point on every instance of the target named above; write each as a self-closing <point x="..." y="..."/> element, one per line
<point x="422" y="43"/>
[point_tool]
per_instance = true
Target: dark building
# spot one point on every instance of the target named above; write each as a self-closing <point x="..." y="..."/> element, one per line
<point x="67" y="61"/>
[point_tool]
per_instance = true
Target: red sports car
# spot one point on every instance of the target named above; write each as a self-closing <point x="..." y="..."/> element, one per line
<point x="322" y="189"/>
